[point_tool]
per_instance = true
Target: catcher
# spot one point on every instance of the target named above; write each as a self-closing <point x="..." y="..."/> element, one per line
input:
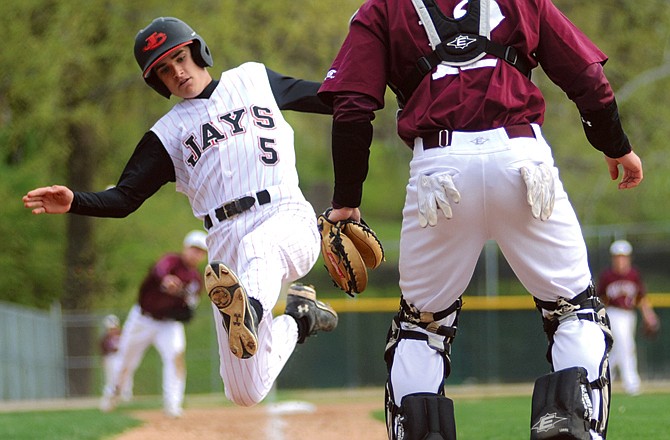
<point x="480" y="170"/>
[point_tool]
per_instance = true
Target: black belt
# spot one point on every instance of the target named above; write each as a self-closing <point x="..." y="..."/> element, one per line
<point x="237" y="206"/>
<point x="442" y="138"/>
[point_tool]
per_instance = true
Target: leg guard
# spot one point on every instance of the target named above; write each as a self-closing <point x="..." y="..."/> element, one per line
<point x="561" y="406"/>
<point x="431" y="406"/>
<point x="584" y="307"/>
<point x="424" y="416"/>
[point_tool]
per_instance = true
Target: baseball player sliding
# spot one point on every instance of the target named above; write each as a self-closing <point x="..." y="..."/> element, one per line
<point x="168" y="296"/>
<point x="481" y="170"/>
<point x="230" y="151"/>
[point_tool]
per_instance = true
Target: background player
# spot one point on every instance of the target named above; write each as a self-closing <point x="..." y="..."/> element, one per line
<point x="109" y="348"/>
<point x="621" y="288"/>
<point x="473" y="120"/>
<point x="168" y="296"/>
<point x="230" y="151"/>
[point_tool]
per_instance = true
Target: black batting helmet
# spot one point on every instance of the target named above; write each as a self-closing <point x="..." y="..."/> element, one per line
<point x="160" y="37"/>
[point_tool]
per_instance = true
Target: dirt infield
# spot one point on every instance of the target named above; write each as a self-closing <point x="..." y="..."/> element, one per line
<point x="323" y="416"/>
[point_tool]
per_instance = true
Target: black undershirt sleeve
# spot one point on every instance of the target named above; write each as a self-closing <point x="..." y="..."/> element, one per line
<point x="604" y="131"/>
<point x="351" y="153"/>
<point x="297" y="94"/>
<point x="147" y="170"/>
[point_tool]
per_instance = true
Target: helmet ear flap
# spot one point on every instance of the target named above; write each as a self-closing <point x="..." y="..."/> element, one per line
<point x="200" y="53"/>
<point x="158" y="85"/>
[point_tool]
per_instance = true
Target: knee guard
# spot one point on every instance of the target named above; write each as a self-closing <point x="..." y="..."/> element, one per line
<point x="561" y="406"/>
<point x="423" y="416"/>
<point x="439" y="337"/>
<point x="586" y="306"/>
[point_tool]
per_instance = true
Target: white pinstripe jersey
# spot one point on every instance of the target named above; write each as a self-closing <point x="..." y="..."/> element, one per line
<point x="234" y="143"/>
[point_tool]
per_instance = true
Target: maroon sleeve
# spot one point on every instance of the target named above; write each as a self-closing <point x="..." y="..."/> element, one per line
<point x="563" y="50"/>
<point x="361" y="64"/>
<point x="590" y="91"/>
<point x="153" y="299"/>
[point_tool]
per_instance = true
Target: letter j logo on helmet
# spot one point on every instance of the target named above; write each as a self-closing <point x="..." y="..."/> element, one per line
<point x="154" y="40"/>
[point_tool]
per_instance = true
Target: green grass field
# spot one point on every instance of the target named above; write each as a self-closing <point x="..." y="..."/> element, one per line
<point x="632" y="418"/>
<point x="508" y="418"/>
<point x="496" y="418"/>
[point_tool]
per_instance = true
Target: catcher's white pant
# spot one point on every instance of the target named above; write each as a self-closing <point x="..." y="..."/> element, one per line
<point x="169" y="338"/>
<point x="437" y="263"/>
<point x="623" y="357"/>
<point x="266" y="247"/>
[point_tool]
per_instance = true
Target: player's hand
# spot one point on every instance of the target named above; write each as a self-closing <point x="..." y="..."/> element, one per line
<point x="56" y="199"/>
<point x="172" y="285"/>
<point x="338" y="214"/>
<point x="632" y="170"/>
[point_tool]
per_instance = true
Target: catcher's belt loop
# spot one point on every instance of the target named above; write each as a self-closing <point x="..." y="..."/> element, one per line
<point x="444" y="138"/>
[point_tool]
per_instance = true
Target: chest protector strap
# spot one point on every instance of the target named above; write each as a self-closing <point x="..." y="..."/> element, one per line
<point x="456" y="42"/>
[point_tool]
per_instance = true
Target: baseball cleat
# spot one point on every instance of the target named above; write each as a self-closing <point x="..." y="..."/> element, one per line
<point x="302" y="305"/>
<point x="239" y="318"/>
<point x="109" y="401"/>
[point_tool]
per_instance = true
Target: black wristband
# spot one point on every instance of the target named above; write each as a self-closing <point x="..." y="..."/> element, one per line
<point x="604" y="131"/>
<point x="351" y="152"/>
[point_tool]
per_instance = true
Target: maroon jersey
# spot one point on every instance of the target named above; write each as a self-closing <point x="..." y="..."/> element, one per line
<point x="162" y="305"/>
<point x="623" y="291"/>
<point x="385" y="41"/>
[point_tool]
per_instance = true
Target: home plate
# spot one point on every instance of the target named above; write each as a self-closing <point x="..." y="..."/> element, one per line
<point x="291" y="407"/>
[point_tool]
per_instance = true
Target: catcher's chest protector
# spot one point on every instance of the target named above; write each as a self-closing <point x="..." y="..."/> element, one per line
<point x="461" y="41"/>
<point x="455" y="42"/>
<point x="561" y="406"/>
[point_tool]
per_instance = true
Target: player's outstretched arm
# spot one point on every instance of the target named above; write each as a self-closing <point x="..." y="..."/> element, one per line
<point x="56" y="199"/>
<point x="632" y="170"/>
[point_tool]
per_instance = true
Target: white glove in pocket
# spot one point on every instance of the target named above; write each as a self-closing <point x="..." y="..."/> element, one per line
<point x="435" y="191"/>
<point x="540" y="189"/>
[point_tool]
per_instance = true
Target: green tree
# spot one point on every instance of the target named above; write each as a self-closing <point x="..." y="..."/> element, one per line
<point x="73" y="106"/>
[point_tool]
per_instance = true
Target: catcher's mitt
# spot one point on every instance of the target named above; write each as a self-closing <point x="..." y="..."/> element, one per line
<point x="349" y="248"/>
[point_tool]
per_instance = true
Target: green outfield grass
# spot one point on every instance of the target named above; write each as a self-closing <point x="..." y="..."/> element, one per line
<point x="487" y="418"/>
<point x="632" y="418"/>
<point x="508" y="418"/>
<point x="64" y="425"/>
